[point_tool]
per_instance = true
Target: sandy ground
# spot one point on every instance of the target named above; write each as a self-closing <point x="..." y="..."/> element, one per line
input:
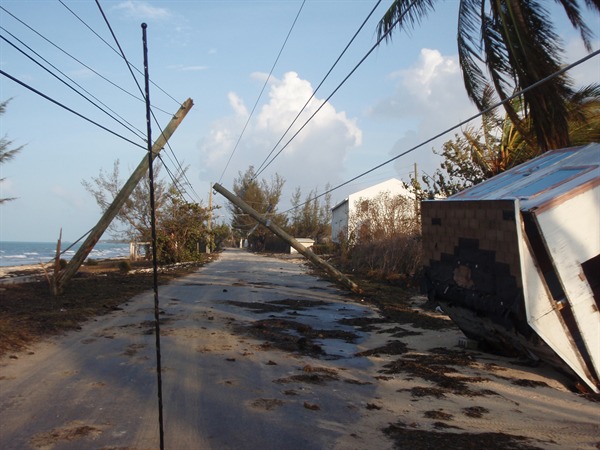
<point x="258" y="354"/>
<point x="10" y="274"/>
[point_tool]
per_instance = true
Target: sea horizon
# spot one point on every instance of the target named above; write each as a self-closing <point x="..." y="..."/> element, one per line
<point x="21" y="253"/>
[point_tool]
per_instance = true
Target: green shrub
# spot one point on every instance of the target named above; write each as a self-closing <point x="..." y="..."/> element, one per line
<point x="124" y="266"/>
<point x="62" y="263"/>
<point x="91" y="262"/>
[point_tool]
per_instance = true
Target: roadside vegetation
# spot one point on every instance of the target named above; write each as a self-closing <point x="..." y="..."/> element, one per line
<point x="183" y="229"/>
<point x="508" y="46"/>
<point x="7" y="150"/>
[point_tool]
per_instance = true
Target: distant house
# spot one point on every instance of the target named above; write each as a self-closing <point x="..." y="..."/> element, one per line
<point x="515" y="260"/>
<point x="341" y="213"/>
<point x="306" y="242"/>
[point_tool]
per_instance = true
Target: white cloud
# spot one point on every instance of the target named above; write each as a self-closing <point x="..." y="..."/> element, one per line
<point x="430" y="97"/>
<point x="72" y="199"/>
<point x="587" y="72"/>
<point x="432" y="85"/>
<point x="142" y="10"/>
<point x="312" y="159"/>
<point x="83" y="73"/>
<point x="182" y="68"/>
<point x="237" y="104"/>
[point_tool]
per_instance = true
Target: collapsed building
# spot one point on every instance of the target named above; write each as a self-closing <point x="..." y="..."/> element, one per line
<point x="515" y="260"/>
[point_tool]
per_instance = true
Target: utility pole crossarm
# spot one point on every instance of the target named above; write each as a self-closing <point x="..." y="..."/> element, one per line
<point x="336" y="274"/>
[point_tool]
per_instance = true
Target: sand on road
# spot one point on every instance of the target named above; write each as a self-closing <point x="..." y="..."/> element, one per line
<point x="259" y="354"/>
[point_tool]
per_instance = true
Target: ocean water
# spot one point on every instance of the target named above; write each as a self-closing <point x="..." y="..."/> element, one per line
<point x="24" y="253"/>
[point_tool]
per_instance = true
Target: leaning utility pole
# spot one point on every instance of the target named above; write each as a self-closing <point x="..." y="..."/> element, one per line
<point x="209" y="222"/>
<point x="336" y="274"/>
<point x="121" y="198"/>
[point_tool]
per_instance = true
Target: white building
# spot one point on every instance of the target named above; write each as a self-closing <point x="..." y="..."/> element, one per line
<point x="306" y="242"/>
<point x="342" y="212"/>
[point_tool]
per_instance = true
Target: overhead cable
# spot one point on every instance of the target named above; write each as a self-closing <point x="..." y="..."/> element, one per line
<point x="114" y="50"/>
<point x="339" y="86"/>
<point x="460" y="124"/>
<point x="122" y="121"/>
<point x="262" y="90"/>
<point x="2" y="72"/>
<point x="76" y="59"/>
<point x="129" y="66"/>
<point x="177" y="185"/>
<point x="320" y="84"/>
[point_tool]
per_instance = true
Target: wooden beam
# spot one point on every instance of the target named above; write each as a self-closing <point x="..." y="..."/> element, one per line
<point x="336" y="274"/>
<point x="120" y="199"/>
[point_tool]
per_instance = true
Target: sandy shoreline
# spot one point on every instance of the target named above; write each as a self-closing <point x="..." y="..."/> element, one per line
<point x="26" y="268"/>
<point x="37" y="269"/>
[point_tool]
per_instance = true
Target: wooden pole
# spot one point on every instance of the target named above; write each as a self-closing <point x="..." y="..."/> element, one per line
<point x="336" y="274"/>
<point x="120" y="199"/>
<point x="209" y="222"/>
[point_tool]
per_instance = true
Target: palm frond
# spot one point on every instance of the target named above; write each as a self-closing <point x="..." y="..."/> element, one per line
<point x="573" y="12"/>
<point x="469" y="50"/>
<point x="403" y="14"/>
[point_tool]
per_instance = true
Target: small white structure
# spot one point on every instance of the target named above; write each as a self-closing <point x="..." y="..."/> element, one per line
<point x="306" y="242"/>
<point x="515" y="260"/>
<point x="139" y="250"/>
<point x="342" y="212"/>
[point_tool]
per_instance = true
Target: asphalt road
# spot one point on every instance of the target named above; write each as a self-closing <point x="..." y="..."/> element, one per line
<point x="97" y="388"/>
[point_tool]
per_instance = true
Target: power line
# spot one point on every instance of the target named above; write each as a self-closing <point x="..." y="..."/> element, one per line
<point x="460" y="124"/>
<point x="76" y="59"/>
<point x="2" y="72"/>
<point x="339" y="86"/>
<point x="178" y="164"/>
<point x="114" y="50"/>
<point x="120" y="122"/>
<point x="174" y="179"/>
<point x="262" y="90"/>
<point x="320" y="84"/>
<point x="129" y="66"/>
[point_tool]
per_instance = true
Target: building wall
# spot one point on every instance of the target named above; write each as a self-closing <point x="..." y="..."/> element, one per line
<point x="339" y="221"/>
<point x="489" y="222"/>
<point x="342" y="212"/>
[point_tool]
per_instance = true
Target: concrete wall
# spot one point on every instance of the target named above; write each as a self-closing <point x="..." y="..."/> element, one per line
<point x="341" y="213"/>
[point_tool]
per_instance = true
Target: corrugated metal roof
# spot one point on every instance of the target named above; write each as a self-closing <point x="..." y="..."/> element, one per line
<point x="547" y="177"/>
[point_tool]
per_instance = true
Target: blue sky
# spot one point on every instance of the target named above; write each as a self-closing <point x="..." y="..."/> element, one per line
<point x="219" y="54"/>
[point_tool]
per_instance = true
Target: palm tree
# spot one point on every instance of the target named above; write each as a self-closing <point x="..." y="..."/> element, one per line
<point x="6" y="153"/>
<point x="481" y="153"/>
<point x="517" y="43"/>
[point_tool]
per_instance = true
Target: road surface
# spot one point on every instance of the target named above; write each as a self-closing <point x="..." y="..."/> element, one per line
<point x="255" y="355"/>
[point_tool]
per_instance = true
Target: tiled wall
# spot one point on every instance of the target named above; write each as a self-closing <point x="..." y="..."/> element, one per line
<point x="489" y="222"/>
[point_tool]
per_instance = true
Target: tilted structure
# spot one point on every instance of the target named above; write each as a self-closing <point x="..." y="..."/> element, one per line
<point x="515" y="260"/>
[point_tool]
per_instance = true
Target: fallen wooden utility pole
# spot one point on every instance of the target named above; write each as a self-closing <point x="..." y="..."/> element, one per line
<point x="120" y="199"/>
<point x="336" y="274"/>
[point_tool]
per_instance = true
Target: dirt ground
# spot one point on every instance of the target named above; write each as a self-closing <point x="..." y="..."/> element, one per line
<point x="418" y="388"/>
<point x="29" y="312"/>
